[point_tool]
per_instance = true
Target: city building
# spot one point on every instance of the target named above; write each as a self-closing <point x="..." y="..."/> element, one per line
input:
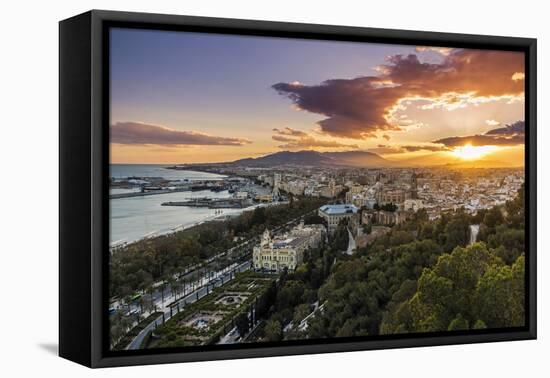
<point x="413" y="205"/>
<point x="395" y="196"/>
<point x="276" y="195"/>
<point x="383" y="217"/>
<point x="436" y="190"/>
<point x="264" y="197"/>
<point x="333" y="214"/>
<point x="389" y="218"/>
<point x="414" y="186"/>
<point x="241" y="195"/>
<point x="286" y="251"/>
<point x="362" y="201"/>
<point x="331" y="190"/>
<point x="295" y="187"/>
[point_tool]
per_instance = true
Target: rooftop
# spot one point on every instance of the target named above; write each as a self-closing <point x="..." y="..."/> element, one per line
<point x="339" y="209"/>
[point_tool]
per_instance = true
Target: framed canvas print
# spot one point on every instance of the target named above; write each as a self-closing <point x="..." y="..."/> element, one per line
<point x="233" y="188"/>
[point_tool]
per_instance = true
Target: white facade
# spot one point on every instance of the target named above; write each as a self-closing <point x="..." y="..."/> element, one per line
<point x="334" y="214"/>
<point x="286" y="251"/>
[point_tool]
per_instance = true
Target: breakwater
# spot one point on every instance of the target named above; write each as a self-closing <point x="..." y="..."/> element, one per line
<point x="226" y="203"/>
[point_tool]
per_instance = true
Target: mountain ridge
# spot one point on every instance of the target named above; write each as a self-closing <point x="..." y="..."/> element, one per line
<point x="359" y="159"/>
<point x="316" y="158"/>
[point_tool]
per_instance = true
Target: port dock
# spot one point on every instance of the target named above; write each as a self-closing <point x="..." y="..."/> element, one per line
<point x="229" y="203"/>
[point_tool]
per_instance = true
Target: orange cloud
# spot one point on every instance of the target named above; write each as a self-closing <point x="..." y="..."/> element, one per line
<point x="509" y="135"/>
<point x="136" y="133"/>
<point x="492" y="122"/>
<point x="361" y="107"/>
<point x="517" y="76"/>
<point x="385" y="149"/>
<point x="296" y="139"/>
<point x="445" y="51"/>
<point x="291" y="132"/>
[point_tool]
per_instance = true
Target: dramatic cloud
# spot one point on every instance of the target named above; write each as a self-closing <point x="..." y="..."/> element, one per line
<point x="518" y="76"/>
<point x="510" y="135"/>
<point x="296" y="139"/>
<point x="424" y="148"/>
<point x="481" y="140"/>
<point x="355" y="108"/>
<point x="386" y="149"/>
<point x="291" y="132"/>
<point x="445" y="51"/>
<point x="492" y="122"/>
<point x="516" y="128"/>
<point x="364" y="106"/>
<point x="143" y="134"/>
<point x="382" y="149"/>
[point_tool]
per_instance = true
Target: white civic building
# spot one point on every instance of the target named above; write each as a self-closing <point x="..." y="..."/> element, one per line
<point x="286" y="251"/>
<point x="334" y="214"/>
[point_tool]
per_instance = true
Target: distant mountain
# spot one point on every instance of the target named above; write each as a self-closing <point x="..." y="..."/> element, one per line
<point x="360" y="159"/>
<point x="315" y="158"/>
<point x="428" y="160"/>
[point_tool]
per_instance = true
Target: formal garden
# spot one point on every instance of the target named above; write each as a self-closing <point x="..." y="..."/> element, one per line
<point x="234" y="305"/>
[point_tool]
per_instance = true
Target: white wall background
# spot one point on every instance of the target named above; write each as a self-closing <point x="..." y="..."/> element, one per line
<point x="29" y="188"/>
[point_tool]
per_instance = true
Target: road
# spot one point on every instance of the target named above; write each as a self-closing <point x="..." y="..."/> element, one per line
<point x="304" y="322"/>
<point x="167" y="294"/>
<point x="203" y="282"/>
<point x="191" y="298"/>
<point x="158" y="295"/>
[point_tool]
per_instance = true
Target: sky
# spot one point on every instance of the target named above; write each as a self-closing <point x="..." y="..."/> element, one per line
<point x="179" y="97"/>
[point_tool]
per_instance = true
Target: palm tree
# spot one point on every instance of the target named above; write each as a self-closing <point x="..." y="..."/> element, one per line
<point x="185" y="283"/>
<point x="126" y="322"/>
<point x="150" y="304"/>
<point x="162" y="287"/>
<point x="127" y="301"/>
<point x="171" y="282"/>
<point x="176" y="288"/>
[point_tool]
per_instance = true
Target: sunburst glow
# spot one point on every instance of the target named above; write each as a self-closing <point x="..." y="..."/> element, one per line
<point x="469" y="152"/>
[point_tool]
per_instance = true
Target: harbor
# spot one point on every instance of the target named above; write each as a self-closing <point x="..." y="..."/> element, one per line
<point x="137" y="187"/>
<point x="230" y="203"/>
<point x="138" y="192"/>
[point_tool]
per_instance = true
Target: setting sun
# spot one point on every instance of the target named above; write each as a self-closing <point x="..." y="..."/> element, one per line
<point x="469" y="152"/>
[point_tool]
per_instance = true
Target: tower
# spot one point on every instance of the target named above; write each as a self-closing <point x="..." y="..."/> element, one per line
<point x="276" y="194"/>
<point x="266" y="238"/>
<point x="332" y="187"/>
<point x="414" y="188"/>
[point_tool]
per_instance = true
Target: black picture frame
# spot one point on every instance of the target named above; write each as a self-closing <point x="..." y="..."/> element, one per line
<point x="83" y="199"/>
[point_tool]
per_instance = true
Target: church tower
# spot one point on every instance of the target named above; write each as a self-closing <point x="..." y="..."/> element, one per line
<point x="276" y="194"/>
<point x="414" y="187"/>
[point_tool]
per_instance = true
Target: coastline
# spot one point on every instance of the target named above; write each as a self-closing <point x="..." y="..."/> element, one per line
<point x="210" y="218"/>
<point x="138" y="216"/>
<point x="213" y="169"/>
<point x="118" y="170"/>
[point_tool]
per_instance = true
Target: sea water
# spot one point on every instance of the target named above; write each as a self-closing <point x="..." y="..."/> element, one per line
<point x="137" y="217"/>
